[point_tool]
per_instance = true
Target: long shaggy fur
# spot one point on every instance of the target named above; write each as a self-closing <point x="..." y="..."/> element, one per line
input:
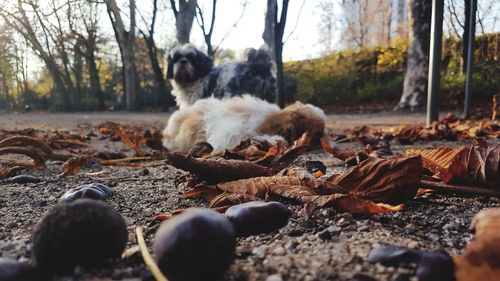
<point x="194" y="77"/>
<point x="226" y="123"/>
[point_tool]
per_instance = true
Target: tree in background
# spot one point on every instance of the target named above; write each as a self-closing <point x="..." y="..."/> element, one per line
<point x="274" y="29"/>
<point x="126" y="42"/>
<point x="85" y="30"/>
<point x="50" y="45"/>
<point x="327" y="25"/>
<point x="7" y="58"/>
<point x="165" y="97"/>
<point x="415" y="82"/>
<point x="184" y="14"/>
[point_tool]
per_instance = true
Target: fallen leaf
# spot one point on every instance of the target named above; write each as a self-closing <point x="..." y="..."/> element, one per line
<point x="73" y="165"/>
<point x="222" y="170"/>
<point x="368" y="188"/>
<point x="476" y="164"/>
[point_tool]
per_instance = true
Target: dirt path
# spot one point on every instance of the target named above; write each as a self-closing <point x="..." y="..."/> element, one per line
<point x="299" y="251"/>
<point x="44" y="120"/>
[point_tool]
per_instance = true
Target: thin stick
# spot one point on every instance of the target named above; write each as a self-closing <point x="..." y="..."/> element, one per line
<point x="148" y="260"/>
<point x="470" y="190"/>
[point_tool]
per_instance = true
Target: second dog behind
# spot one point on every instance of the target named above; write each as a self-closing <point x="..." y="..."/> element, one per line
<point x="226" y="123"/>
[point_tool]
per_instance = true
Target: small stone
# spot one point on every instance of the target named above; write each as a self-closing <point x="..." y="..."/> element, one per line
<point x="279" y="251"/>
<point x="412" y="244"/>
<point x="145" y="172"/>
<point x="363" y="228"/>
<point x="335" y="230"/>
<point x="274" y="277"/>
<point x="409" y="230"/>
<point x="324" y="234"/>
<point x="260" y="252"/>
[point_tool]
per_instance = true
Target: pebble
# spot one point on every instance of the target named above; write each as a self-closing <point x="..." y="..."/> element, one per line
<point x="412" y="244"/>
<point x="279" y="251"/>
<point x="409" y="230"/>
<point x="274" y="277"/>
<point x="260" y="252"/>
<point x="364" y="228"/>
<point x="324" y="234"/>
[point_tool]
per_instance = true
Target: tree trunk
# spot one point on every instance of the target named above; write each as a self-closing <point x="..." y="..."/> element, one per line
<point x="95" y="79"/>
<point x="273" y="36"/>
<point x="165" y="99"/>
<point x="126" y="42"/>
<point x="415" y="82"/>
<point x="184" y="20"/>
<point x="465" y="36"/>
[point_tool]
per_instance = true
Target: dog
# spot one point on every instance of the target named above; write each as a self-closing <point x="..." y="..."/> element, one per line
<point x="193" y="75"/>
<point x="225" y="123"/>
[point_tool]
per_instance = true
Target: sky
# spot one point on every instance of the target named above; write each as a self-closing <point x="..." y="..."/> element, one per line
<point x="301" y="27"/>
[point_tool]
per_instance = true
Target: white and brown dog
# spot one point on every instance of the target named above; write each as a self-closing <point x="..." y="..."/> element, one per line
<point x="225" y="123"/>
<point x="194" y="77"/>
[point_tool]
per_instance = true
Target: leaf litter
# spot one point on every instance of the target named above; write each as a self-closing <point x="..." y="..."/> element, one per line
<point x="372" y="185"/>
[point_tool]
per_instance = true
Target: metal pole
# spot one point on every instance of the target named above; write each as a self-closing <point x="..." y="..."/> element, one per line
<point x="435" y="62"/>
<point x="470" y="59"/>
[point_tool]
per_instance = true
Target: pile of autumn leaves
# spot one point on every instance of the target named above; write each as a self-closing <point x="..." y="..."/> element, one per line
<point x="256" y="171"/>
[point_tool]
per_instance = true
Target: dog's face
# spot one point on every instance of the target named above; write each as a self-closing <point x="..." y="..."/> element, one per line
<point x="186" y="64"/>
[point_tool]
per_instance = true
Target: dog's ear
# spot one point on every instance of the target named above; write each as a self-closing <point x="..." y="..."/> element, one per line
<point x="204" y="64"/>
<point x="170" y="67"/>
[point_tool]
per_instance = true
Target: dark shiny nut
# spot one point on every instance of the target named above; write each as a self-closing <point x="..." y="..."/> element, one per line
<point x="11" y="270"/>
<point x="85" y="232"/>
<point x="258" y="217"/>
<point x="430" y="266"/>
<point x="196" y="245"/>
<point x="24" y="179"/>
<point x="90" y="191"/>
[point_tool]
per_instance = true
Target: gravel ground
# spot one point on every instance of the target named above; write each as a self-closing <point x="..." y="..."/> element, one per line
<point x="327" y="246"/>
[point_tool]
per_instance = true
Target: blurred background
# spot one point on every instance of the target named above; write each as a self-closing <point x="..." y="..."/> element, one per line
<point x="343" y="55"/>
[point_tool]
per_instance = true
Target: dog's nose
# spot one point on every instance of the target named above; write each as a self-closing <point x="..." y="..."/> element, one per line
<point x="183" y="61"/>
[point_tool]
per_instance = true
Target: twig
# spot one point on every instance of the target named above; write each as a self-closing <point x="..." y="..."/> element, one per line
<point x="470" y="190"/>
<point x="148" y="260"/>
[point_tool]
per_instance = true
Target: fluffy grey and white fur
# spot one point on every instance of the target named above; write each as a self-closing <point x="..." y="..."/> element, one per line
<point x="225" y="123"/>
<point x="193" y="76"/>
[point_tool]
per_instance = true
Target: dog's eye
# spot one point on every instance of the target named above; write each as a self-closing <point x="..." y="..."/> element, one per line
<point x="177" y="57"/>
<point x="189" y="57"/>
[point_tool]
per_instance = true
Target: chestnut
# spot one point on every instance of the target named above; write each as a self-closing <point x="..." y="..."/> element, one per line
<point x="198" y="244"/>
<point x="91" y="191"/>
<point x="85" y="232"/>
<point x="258" y="217"/>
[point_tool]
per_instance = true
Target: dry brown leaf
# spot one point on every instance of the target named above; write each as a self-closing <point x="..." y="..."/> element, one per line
<point x="216" y="170"/>
<point x="335" y="152"/>
<point x="73" y="165"/>
<point x="222" y="170"/>
<point x="357" y="191"/>
<point x="383" y="180"/>
<point x="480" y="260"/>
<point x="476" y="164"/>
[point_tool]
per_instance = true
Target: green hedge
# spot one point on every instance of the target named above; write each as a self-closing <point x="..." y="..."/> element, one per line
<point x="375" y="75"/>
